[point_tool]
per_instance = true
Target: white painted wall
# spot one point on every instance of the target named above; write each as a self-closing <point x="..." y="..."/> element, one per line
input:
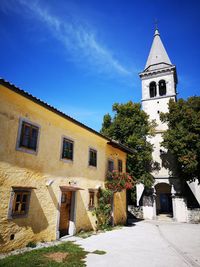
<point x="153" y="107"/>
<point x="195" y="188"/>
<point x="148" y="212"/>
<point x="156" y="141"/>
<point x="139" y="191"/>
<point x="167" y="76"/>
<point x="179" y="209"/>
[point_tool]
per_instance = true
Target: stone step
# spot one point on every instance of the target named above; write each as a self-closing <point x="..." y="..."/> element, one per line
<point x="165" y="217"/>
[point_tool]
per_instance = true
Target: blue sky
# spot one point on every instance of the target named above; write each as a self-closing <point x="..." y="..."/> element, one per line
<point x="81" y="56"/>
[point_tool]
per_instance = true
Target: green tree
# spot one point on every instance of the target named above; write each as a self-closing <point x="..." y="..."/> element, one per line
<point x="130" y="126"/>
<point x="182" y="138"/>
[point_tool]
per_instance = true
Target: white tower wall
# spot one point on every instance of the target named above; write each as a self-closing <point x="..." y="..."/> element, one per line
<point x="159" y="67"/>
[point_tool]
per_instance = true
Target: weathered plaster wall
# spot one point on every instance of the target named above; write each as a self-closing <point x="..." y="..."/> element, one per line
<point x="18" y="168"/>
<point x="120" y="214"/>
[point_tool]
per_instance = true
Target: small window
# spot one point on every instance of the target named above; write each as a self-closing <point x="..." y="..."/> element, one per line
<point x="162" y="87"/>
<point x="92" y="157"/>
<point x="120" y="165"/>
<point x="20" y="203"/>
<point x="91" y="199"/>
<point x="28" y="136"/>
<point x="152" y="89"/>
<point x="110" y="165"/>
<point x="67" y="150"/>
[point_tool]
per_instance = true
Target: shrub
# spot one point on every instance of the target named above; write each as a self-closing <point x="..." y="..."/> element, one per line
<point x="117" y="181"/>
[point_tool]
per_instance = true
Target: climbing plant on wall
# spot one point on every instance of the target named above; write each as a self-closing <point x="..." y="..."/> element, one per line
<point x="117" y="181"/>
<point x="104" y="208"/>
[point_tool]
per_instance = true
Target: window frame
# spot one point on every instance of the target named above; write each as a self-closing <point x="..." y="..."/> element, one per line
<point x="120" y="168"/>
<point x="70" y="140"/>
<point x="22" y="148"/>
<point x="90" y="164"/>
<point x="110" y="161"/>
<point x="12" y="214"/>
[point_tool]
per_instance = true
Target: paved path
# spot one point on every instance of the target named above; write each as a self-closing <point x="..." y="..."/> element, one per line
<point x="147" y="243"/>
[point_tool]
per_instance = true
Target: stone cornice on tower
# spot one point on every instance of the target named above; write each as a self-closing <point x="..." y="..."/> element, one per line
<point x="156" y="71"/>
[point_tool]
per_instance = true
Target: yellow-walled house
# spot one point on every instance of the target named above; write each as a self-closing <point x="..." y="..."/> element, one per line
<point x="51" y="167"/>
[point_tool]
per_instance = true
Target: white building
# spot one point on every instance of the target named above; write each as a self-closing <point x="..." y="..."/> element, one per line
<point x="159" y="81"/>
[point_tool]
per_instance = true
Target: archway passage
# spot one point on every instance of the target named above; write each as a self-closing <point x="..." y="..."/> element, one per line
<point x="163" y="199"/>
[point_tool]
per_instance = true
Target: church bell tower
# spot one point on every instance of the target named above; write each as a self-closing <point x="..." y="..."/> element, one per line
<point x="165" y="198"/>
<point x="159" y="80"/>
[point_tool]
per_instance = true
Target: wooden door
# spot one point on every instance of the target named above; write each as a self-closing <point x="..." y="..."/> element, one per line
<point x="65" y="213"/>
<point x="165" y="203"/>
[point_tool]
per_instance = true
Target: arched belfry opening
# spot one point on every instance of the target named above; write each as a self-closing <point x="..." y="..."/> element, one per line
<point x="163" y="199"/>
<point x="162" y="88"/>
<point x="152" y="89"/>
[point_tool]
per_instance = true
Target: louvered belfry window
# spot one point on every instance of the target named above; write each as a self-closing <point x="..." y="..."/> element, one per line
<point x="152" y="89"/>
<point x="162" y="87"/>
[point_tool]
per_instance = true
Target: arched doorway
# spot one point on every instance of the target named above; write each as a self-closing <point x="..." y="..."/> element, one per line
<point x="163" y="199"/>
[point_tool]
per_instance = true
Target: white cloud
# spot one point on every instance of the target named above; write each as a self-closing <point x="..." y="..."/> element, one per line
<point x="79" y="41"/>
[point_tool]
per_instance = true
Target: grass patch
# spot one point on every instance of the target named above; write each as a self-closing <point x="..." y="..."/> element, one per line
<point x="66" y="254"/>
<point x="99" y="252"/>
<point x="86" y="234"/>
<point x="111" y="228"/>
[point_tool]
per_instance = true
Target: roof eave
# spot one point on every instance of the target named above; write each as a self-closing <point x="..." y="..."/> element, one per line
<point x="19" y="91"/>
<point x="122" y="147"/>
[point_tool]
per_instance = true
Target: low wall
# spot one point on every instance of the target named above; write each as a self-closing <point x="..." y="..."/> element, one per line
<point x="194" y="215"/>
<point x="136" y="211"/>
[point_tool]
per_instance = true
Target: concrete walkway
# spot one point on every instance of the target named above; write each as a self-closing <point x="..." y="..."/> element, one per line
<point x="146" y="243"/>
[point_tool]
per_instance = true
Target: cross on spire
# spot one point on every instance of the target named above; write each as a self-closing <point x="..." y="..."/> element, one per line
<point x="156" y="24"/>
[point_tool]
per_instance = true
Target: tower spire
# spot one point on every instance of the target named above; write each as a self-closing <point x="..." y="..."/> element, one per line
<point x="158" y="55"/>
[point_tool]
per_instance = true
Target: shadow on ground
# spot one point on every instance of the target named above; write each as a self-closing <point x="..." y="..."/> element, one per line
<point x="132" y="220"/>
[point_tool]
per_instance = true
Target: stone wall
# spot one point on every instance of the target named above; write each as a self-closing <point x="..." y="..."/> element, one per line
<point x="137" y="212"/>
<point x="194" y="215"/>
